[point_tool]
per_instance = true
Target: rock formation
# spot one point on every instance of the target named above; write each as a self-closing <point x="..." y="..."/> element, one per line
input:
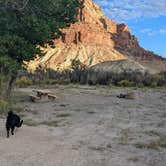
<point x="93" y="39"/>
<point x="127" y="44"/>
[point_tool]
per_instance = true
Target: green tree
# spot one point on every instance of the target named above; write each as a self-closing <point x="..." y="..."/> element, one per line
<point x="26" y="24"/>
<point x="77" y="65"/>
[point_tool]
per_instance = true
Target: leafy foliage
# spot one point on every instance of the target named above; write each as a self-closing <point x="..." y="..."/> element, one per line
<point x="85" y="75"/>
<point x="3" y="106"/>
<point x="24" y="24"/>
<point x="126" y="83"/>
<point x="23" y="82"/>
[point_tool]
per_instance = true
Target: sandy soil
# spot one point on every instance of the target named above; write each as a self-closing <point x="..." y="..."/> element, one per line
<point x="88" y="127"/>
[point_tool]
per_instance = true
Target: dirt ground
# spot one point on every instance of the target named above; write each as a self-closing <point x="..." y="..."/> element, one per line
<point x="88" y="127"/>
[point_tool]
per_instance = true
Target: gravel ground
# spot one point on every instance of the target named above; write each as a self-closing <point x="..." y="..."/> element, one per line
<point x="88" y="127"/>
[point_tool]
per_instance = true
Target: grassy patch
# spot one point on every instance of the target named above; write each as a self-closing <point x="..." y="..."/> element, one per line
<point x="97" y="148"/>
<point x="63" y="105"/>
<point x="50" y="123"/>
<point x="134" y="159"/>
<point x="6" y="106"/>
<point x="126" y="83"/>
<point x="91" y="112"/>
<point x="23" y="82"/>
<point x="31" y="122"/>
<point x="152" y="133"/>
<point x="19" y="97"/>
<point x="86" y="86"/>
<point x="161" y="123"/>
<point x="22" y="114"/>
<point x="160" y="142"/>
<point x="63" y="115"/>
<point x="17" y="109"/>
<point x="3" y="107"/>
<point x="124" y="138"/>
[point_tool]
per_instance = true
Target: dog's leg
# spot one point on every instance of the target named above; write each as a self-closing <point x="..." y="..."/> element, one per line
<point x="12" y="131"/>
<point x="7" y="129"/>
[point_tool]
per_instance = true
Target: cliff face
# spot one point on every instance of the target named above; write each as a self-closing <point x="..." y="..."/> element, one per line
<point x="128" y="45"/>
<point x="89" y="40"/>
<point x="92" y="39"/>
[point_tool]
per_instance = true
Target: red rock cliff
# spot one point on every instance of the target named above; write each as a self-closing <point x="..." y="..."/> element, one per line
<point x="92" y="39"/>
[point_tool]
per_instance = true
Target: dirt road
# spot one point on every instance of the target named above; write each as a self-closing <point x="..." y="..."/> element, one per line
<point x="86" y="127"/>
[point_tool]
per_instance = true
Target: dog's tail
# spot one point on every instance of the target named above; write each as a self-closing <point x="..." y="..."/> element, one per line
<point x="20" y="124"/>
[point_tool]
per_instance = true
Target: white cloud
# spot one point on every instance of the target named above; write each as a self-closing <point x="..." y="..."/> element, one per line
<point x="163" y="31"/>
<point x="123" y="10"/>
<point x="151" y="32"/>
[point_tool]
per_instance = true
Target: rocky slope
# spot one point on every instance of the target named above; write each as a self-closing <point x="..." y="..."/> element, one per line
<point x="94" y="39"/>
<point x="119" y="66"/>
<point x="127" y="44"/>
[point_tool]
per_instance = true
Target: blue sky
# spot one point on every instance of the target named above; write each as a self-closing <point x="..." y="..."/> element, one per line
<point x="145" y="18"/>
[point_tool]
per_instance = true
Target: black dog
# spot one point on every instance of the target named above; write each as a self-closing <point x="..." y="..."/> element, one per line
<point x="12" y="121"/>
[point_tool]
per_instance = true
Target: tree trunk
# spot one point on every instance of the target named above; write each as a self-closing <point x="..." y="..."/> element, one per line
<point x="10" y="86"/>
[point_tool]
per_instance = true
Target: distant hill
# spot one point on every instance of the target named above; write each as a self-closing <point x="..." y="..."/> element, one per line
<point x="119" y="66"/>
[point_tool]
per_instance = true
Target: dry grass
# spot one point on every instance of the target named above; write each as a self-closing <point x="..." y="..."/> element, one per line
<point x="50" y="123"/>
<point x="31" y="122"/>
<point x="134" y="159"/>
<point x="159" y="143"/>
<point x="124" y="137"/>
<point x="63" y="115"/>
<point x="130" y="95"/>
<point x="153" y="133"/>
<point x="91" y="112"/>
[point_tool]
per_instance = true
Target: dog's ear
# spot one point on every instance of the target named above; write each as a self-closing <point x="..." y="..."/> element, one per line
<point x="10" y="112"/>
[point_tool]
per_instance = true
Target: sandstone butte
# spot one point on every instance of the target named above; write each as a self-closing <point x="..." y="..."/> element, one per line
<point x="94" y="39"/>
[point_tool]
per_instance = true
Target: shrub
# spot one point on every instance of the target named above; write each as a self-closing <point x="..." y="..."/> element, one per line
<point x="23" y="82"/>
<point x="140" y="85"/>
<point x="126" y="83"/>
<point x="3" y="106"/>
<point x="153" y="85"/>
